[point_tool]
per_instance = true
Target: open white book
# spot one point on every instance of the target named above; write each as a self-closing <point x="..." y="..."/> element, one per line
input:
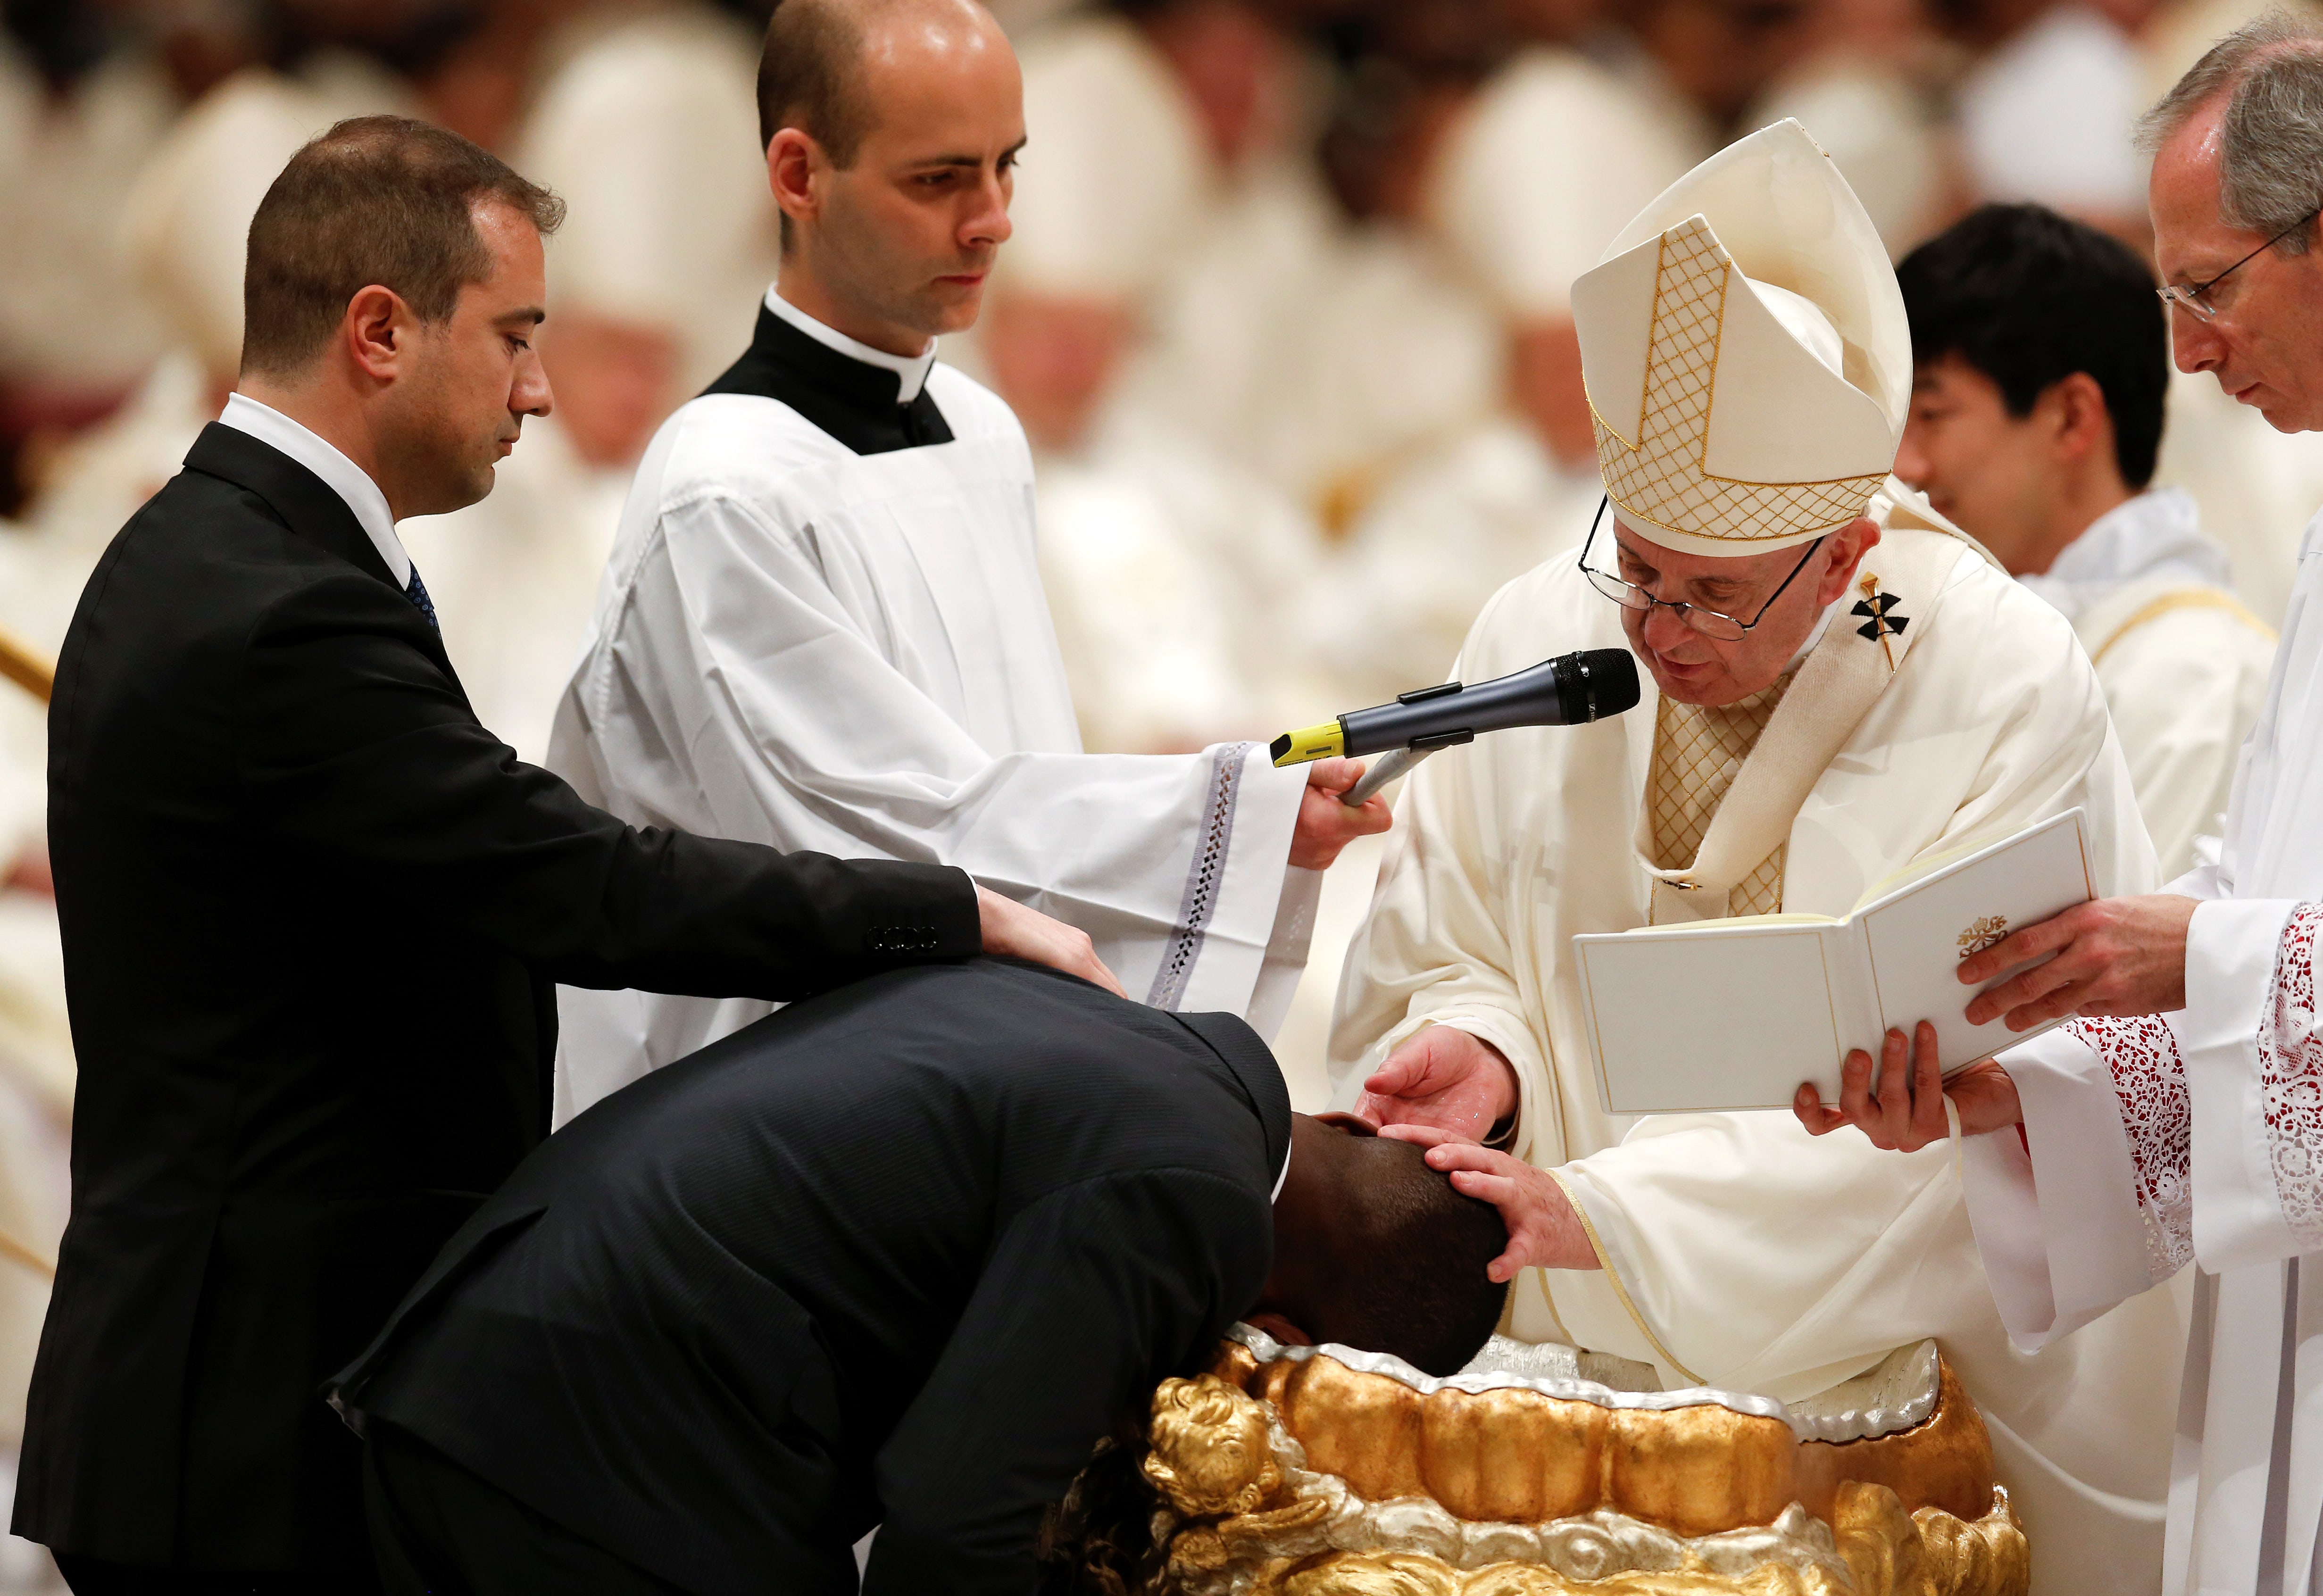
<point x="1735" y="1014"/>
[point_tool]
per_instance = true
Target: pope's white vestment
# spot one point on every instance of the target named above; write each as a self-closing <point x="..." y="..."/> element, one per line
<point x="1740" y="1251"/>
<point x="2197" y="1136"/>
<point x="2183" y="663"/>
<point x="802" y="646"/>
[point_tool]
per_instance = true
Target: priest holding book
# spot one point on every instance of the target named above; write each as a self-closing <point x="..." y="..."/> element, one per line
<point x="1840" y="684"/>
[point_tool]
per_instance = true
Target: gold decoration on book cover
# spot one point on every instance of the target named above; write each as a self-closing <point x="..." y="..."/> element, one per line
<point x="1988" y="933"/>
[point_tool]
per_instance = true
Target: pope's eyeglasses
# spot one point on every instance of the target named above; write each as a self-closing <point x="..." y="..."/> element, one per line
<point x="2193" y="297"/>
<point x="1710" y="623"/>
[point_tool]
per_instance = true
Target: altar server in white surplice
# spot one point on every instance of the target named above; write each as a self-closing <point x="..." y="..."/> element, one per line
<point x="823" y="621"/>
<point x="2179" y="1119"/>
<point x="2039" y="374"/>
<point x="1784" y="767"/>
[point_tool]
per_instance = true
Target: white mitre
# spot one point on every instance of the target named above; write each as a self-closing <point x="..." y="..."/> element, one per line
<point x="1746" y="354"/>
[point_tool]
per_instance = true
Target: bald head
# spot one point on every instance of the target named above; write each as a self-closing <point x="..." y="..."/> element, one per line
<point x="892" y="128"/>
<point x="819" y="71"/>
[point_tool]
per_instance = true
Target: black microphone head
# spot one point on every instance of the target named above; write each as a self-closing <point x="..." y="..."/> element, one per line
<point x="1595" y="683"/>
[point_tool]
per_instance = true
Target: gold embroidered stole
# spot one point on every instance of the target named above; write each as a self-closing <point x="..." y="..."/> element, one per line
<point x="1698" y="751"/>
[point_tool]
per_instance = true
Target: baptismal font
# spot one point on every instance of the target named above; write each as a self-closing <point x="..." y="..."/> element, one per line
<point x="1542" y="1471"/>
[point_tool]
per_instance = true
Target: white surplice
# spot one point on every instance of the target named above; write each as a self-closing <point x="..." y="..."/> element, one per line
<point x="802" y="646"/>
<point x="2197" y="1136"/>
<point x="2183" y="663"/>
<point x="1740" y="1251"/>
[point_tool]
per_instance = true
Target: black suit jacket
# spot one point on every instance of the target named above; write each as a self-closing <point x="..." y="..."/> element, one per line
<point x="313" y="913"/>
<point x="897" y="1255"/>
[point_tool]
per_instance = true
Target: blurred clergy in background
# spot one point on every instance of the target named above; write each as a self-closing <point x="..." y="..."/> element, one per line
<point x="1840" y="684"/>
<point x="824" y="617"/>
<point x="2041" y="367"/>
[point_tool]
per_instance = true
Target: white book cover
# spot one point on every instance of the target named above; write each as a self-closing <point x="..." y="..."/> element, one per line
<point x="1735" y="1014"/>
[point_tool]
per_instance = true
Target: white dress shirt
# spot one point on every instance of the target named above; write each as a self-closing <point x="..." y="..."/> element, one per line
<point x="349" y="481"/>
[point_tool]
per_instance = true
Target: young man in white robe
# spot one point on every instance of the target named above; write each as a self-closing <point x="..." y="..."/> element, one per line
<point x="1766" y="571"/>
<point x="823" y="616"/>
<point x="2041" y="368"/>
<point x="2176" y="1118"/>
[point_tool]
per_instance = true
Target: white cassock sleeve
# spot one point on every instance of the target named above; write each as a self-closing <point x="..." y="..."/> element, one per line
<point x="744" y="694"/>
<point x="2156" y="1141"/>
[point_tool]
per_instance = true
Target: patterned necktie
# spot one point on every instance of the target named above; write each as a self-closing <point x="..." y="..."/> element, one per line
<point x="416" y="591"/>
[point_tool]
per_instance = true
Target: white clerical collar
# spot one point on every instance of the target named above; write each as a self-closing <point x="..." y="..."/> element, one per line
<point x="1281" y="1175"/>
<point x="349" y="481"/>
<point x="910" y="370"/>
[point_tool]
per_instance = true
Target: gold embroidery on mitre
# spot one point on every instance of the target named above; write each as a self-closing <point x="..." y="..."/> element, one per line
<point x="1661" y="478"/>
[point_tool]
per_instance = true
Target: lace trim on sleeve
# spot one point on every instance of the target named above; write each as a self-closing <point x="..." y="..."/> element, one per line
<point x="2149" y="1078"/>
<point x="2290" y="1078"/>
<point x="1203" y="878"/>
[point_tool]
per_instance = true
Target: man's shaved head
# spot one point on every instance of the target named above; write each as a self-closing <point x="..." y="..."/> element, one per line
<point x="892" y="128"/>
<point x="1374" y="1249"/>
<point x="811" y="70"/>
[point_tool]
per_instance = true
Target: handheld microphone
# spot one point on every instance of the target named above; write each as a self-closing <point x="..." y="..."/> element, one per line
<point x="1571" y="689"/>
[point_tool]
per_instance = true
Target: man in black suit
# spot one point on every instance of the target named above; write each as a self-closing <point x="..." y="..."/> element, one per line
<point x="313" y="911"/>
<point x="897" y="1255"/>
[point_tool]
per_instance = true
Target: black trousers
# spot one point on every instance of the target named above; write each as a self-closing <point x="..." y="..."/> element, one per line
<point x="442" y="1531"/>
<point x="92" y="1576"/>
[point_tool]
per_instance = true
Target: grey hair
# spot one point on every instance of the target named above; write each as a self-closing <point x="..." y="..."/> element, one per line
<point x="2271" y="143"/>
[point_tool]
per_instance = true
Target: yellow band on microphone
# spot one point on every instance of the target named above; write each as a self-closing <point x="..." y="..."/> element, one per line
<point x="1326" y="741"/>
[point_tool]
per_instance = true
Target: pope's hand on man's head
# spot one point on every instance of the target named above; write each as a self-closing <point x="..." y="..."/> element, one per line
<point x="1544" y="1229"/>
<point x="1443" y="1079"/>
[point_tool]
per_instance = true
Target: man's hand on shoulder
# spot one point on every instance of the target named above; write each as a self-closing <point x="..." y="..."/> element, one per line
<point x="1018" y="933"/>
<point x="1443" y="1080"/>
<point x="1544" y="1229"/>
<point x="1325" y="825"/>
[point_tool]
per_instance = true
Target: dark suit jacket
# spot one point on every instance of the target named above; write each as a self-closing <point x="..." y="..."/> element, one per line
<point x="899" y="1255"/>
<point x="312" y="913"/>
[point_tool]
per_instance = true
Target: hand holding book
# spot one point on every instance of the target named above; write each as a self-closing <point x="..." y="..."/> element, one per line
<point x="1731" y="1013"/>
<point x="2111" y="957"/>
<point x="1899" y="1103"/>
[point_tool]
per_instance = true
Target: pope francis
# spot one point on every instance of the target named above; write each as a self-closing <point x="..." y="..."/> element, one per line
<point x="1840" y="684"/>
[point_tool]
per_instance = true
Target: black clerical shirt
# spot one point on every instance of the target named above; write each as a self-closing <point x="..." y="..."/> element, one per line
<point x="859" y="403"/>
